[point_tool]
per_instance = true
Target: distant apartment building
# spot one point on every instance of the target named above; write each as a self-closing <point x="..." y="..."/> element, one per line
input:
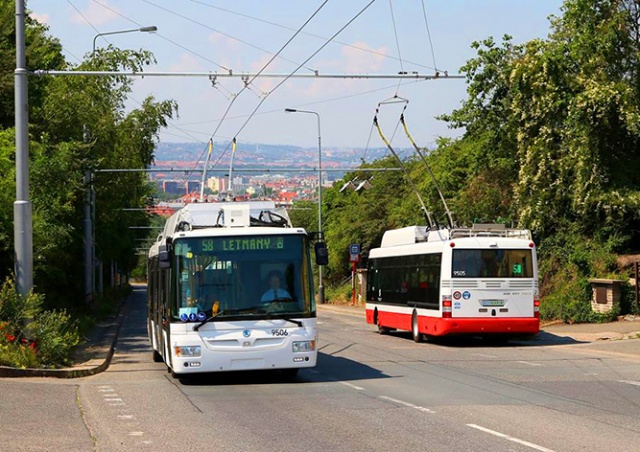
<point x="172" y="186"/>
<point x="178" y="187"/>
<point x="219" y="184"/>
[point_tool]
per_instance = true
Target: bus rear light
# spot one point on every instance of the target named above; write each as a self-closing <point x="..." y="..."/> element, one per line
<point x="452" y="245"/>
<point x="446" y="306"/>
<point x="532" y="245"/>
<point x="536" y="308"/>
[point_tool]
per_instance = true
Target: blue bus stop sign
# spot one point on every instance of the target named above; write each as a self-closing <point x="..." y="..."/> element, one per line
<point x="354" y="248"/>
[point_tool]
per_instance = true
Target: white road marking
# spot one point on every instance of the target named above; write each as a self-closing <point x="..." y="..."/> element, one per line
<point x="630" y="382"/>
<point x="528" y="363"/>
<point x="510" y="438"/>
<point x="407" y="404"/>
<point x="118" y="399"/>
<point x="136" y="433"/>
<point x="352" y="386"/>
<point x="125" y="416"/>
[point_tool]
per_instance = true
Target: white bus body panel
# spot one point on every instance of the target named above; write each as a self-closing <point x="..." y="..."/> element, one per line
<point x="243" y="345"/>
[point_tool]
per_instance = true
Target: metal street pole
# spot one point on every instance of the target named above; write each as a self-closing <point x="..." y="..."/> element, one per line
<point x="293" y="110"/>
<point x="89" y="205"/>
<point x="23" y="230"/>
<point x="142" y="29"/>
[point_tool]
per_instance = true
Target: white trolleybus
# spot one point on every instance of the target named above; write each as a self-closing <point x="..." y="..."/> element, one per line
<point x="480" y="280"/>
<point x="231" y="288"/>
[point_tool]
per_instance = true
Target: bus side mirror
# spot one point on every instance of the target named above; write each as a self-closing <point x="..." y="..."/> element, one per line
<point x="322" y="254"/>
<point x="163" y="257"/>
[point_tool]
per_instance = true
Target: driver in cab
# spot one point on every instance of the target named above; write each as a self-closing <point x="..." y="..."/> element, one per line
<point x="275" y="293"/>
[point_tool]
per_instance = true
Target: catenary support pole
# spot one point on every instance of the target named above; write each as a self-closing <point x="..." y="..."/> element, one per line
<point x="23" y="230"/>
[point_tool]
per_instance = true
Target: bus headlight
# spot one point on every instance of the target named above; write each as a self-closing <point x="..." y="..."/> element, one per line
<point x="188" y="351"/>
<point x="304" y="346"/>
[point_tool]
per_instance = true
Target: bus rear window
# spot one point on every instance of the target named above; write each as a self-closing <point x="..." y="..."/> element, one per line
<point x="492" y="263"/>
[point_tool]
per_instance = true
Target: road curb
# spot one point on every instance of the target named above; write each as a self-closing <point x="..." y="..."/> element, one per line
<point x="90" y="367"/>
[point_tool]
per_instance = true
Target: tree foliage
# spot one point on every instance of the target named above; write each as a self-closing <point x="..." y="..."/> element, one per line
<point x="78" y="125"/>
<point x="551" y="142"/>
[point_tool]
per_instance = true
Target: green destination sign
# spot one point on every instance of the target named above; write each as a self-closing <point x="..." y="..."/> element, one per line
<point x="243" y="244"/>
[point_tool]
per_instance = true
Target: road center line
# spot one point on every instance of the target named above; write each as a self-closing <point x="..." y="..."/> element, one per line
<point x="352" y="386"/>
<point x="484" y="355"/>
<point x="529" y="364"/>
<point x="630" y="382"/>
<point x="510" y="438"/>
<point x="407" y="404"/>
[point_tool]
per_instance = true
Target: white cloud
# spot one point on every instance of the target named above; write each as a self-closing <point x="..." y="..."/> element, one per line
<point x="42" y="18"/>
<point x="358" y="61"/>
<point x="96" y="14"/>
<point x="187" y="63"/>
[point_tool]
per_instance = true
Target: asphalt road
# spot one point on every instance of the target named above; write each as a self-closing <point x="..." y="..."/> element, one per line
<point x="368" y="393"/>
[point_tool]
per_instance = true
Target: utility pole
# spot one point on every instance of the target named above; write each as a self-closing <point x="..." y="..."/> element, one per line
<point x="22" y="228"/>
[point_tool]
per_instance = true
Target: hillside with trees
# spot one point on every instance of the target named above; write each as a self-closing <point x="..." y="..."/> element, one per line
<point x="551" y="143"/>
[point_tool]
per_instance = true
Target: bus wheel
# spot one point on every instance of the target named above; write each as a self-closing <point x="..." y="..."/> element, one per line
<point x="157" y="357"/>
<point x="415" y="332"/>
<point x="381" y="329"/>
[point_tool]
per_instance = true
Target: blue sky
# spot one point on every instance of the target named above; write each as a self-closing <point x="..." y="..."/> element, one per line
<point x="203" y="35"/>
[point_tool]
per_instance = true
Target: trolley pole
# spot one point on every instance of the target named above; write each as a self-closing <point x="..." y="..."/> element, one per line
<point x="22" y="211"/>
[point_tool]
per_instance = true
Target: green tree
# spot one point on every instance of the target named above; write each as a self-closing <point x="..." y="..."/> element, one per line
<point x="87" y="129"/>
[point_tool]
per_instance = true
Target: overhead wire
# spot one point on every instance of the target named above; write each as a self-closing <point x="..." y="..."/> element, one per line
<point x="218" y="31"/>
<point x="395" y="32"/>
<point x="252" y="79"/>
<point x="363" y="49"/>
<point x="426" y="23"/>
<point x="307" y="104"/>
<point x="107" y="7"/>
<point x="98" y="32"/>
<point x="296" y="70"/>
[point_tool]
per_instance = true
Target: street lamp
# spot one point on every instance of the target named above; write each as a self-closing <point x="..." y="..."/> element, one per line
<point x="293" y="110"/>
<point x="142" y="29"/>
<point x="89" y="205"/>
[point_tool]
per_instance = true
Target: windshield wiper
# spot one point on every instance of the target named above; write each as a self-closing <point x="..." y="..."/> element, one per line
<point x="197" y="327"/>
<point x="279" y="316"/>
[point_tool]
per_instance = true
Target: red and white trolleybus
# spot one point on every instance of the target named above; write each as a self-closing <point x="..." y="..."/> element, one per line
<point x="479" y="280"/>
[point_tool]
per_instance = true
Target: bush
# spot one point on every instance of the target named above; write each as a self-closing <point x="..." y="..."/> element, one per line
<point x="56" y="335"/>
<point x="340" y="294"/>
<point x="566" y="263"/>
<point x="30" y="337"/>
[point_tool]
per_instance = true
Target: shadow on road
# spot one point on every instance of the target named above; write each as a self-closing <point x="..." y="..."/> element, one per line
<point x="476" y="341"/>
<point x="329" y="369"/>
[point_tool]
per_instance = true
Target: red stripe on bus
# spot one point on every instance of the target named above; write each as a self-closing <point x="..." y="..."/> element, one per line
<point x="436" y="326"/>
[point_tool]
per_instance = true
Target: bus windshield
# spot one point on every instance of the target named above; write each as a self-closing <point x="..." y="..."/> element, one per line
<point x="492" y="263"/>
<point x="243" y="277"/>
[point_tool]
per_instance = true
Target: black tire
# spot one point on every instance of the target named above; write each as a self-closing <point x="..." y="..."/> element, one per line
<point x="381" y="329"/>
<point x="157" y="357"/>
<point x="415" y="332"/>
